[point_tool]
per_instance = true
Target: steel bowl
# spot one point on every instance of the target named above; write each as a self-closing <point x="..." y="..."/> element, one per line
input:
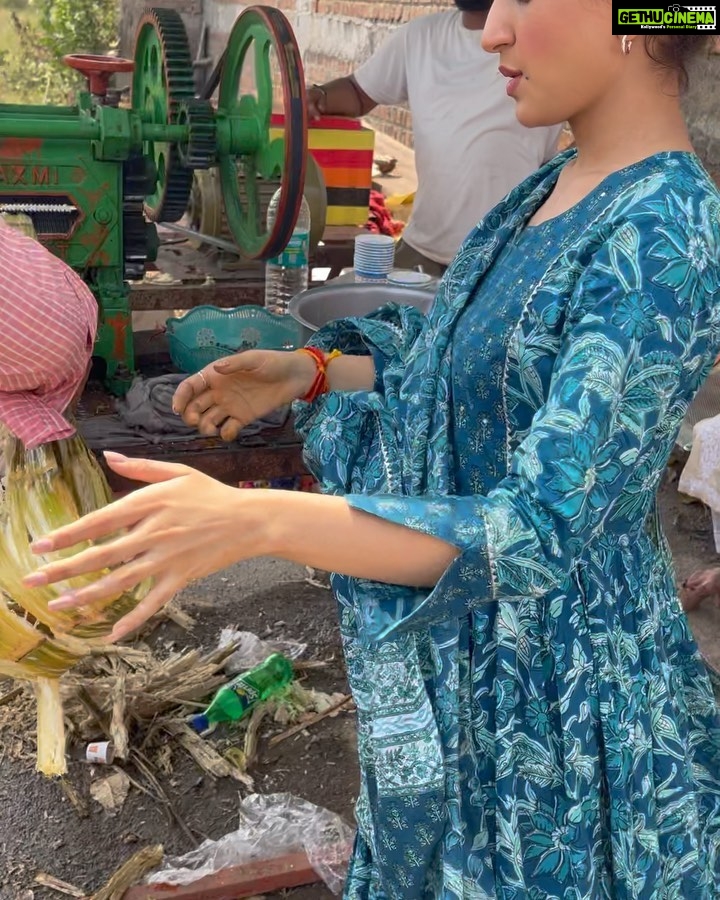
<point x="318" y="306"/>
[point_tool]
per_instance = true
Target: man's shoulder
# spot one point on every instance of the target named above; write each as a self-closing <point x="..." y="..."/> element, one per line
<point x="433" y="23"/>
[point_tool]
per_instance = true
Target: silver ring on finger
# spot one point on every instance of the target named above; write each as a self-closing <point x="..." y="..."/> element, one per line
<point x="204" y="380"/>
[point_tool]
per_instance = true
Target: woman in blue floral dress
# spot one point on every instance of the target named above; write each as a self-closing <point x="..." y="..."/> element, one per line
<point x="535" y="722"/>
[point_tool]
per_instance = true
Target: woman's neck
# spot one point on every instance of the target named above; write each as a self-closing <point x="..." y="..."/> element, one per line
<point x="611" y="137"/>
<point x="622" y="130"/>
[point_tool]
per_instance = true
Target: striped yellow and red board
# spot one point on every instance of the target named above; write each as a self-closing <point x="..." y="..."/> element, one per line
<point x="343" y="149"/>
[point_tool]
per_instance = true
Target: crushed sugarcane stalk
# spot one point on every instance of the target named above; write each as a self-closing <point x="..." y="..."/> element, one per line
<point x="251" y="734"/>
<point x="308" y="665"/>
<point x="311" y="578"/>
<point x="78" y="803"/>
<point x="100" y="719"/>
<point x="130" y="873"/>
<point x="59" y="886"/>
<point x="118" y="722"/>
<point x="11" y="695"/>
<point x="208" y="759"/>
<point x="313" y="720"/>
<point x="149" y="688"/>
<point x="178" y="617"/>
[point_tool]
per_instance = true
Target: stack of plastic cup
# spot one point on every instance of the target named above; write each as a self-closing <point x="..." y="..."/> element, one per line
<point x="374" y="257"/>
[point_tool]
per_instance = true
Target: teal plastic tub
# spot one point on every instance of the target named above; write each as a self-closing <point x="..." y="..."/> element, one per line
<point x="207" y="333"/>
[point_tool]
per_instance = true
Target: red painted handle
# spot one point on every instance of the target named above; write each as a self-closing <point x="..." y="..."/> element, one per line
<point x="98" y="69"/>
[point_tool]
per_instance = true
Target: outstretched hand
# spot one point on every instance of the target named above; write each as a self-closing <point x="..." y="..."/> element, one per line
<point x="226" y="396"/>
<point x="183" y="526"/>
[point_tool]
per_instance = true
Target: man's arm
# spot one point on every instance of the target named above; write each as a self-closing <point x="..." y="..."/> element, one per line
<point x="382" y="79"/>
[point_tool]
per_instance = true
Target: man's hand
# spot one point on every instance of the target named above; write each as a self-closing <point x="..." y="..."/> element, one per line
<point x="341" y="97"/>
<point x="316" y="101"/>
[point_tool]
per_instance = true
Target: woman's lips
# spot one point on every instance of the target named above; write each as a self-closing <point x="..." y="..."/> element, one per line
<point x="514" y="76"/>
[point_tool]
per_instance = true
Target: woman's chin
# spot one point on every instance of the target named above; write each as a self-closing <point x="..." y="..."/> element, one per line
<point x="532" y="116"/>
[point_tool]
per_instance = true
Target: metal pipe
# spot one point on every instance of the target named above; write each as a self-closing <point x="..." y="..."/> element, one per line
<point x="50" y="129"/>
<point x="83" y="129"/>
<point x="164" y="134"/>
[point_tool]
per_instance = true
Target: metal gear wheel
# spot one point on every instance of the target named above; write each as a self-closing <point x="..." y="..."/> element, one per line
<point x="199" y="150"/>
<point x="138" y="235"/>
<point x="162" y="81"/>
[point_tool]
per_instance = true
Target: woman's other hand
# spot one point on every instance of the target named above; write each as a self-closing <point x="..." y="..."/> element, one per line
<point x="183" y="526"/>
<point x="226" y="396"/>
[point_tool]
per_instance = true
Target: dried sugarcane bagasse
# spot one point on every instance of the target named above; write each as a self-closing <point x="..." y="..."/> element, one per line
<point x="47" y="487"/>
<point x="48" y="319"/>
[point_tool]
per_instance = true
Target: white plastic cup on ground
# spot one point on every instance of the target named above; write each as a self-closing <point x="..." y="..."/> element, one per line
<point x="102" y="752"/>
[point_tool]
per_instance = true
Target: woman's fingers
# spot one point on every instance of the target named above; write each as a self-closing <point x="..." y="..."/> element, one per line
<point x="210" y="422"/>
<point x="124" y="578"/>
<point x="231" y="428"/>
<point x="702" y="584"/>
<point x="94" y="559"/>
<point x="120" y="515"/>
<point x="117" y="516"/>
<point x="194" y="395"/>
<point x="196" y="408"/>
<point x="157" y="597"/>
<point x="690" y="600"/>
<point x="190" y="390"/>
<point x="208" y="413"/>
<point x="239" y="362"/>
<point x="241" y="411"/>
<point x="171" y="532"/>
<point x="151" y="471"/>
<point x="695" y="580"/>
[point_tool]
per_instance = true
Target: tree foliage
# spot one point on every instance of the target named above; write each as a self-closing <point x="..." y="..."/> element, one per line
<point x="34" y="68"/>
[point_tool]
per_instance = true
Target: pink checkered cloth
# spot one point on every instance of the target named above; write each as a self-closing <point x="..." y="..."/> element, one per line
<point x="48" y="321"/>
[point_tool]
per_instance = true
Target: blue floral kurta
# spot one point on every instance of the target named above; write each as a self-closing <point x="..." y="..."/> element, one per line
<point x="539" y="724"/>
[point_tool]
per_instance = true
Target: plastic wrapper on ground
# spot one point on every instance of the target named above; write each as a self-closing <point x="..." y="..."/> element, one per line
<point x="271" y="825"/>
<point x="251" y="650"/>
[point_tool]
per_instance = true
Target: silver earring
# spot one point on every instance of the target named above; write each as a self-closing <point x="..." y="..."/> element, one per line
<point x="626" y="44"/>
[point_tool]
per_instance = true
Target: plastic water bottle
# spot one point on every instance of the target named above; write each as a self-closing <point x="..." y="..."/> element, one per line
<point x="287" y="274"/>
<point x="240" y="696"/>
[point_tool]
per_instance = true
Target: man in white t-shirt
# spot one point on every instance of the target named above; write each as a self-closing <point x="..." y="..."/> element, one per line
<point x="470" y="150"/>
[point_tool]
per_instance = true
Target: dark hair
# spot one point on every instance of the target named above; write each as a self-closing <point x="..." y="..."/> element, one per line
<point x="674" y="52"/>
<point x="473" y="5"/>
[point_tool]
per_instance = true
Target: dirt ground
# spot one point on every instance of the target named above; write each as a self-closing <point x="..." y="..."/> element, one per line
<point x="689" y="530"/>
<point x="41" y="832"/>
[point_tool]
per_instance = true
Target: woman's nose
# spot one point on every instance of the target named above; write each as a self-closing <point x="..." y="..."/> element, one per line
<point x="497" y="33"/>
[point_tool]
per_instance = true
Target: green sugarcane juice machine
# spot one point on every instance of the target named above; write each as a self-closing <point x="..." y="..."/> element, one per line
<point x="95" y="177"/>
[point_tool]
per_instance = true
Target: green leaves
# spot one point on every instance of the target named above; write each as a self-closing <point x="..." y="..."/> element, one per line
<point x="46" y="30"/>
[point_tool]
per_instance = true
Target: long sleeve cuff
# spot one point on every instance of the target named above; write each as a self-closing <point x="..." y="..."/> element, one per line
<point x="467" y="582"/>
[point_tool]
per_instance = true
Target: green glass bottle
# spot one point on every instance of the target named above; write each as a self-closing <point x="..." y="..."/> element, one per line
<point x="238" y="697"/>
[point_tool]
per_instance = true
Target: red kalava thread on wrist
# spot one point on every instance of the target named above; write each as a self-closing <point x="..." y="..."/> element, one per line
<point x="320" y="383"/>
